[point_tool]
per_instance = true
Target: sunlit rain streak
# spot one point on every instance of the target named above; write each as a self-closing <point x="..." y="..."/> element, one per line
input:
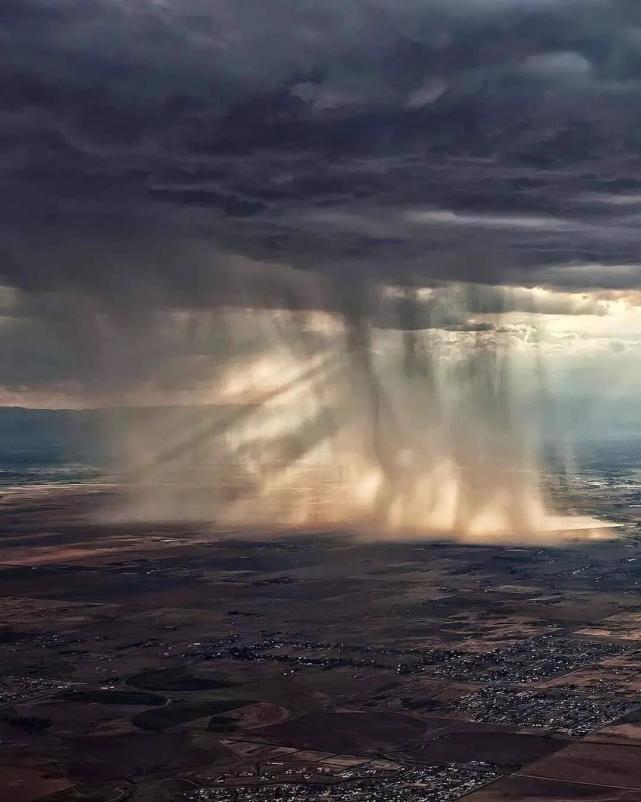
<point x="389" y="417"/>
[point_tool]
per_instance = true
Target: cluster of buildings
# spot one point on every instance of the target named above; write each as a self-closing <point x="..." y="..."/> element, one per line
<point x="530" y="660"/>
<point x="570" y="713"/>
<point x="16" y="688"/>
<point x="440" y="783"/>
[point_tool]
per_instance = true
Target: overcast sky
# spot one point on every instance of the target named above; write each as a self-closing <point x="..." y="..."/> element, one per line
<point x="162" y="159"/>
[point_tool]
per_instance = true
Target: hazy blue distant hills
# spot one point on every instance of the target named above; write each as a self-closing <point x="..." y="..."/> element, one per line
<point x="28" y="435"/>
<point x="41" y="445"/>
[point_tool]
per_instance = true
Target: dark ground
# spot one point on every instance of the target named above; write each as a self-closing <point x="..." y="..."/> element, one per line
<point x="145" y="663"/>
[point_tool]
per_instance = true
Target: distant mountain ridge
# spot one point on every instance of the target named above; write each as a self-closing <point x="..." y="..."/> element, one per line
<point x="62" y="435"/>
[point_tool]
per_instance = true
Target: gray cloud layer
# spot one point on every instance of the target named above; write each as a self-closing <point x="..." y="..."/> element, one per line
<point x="477" y="140"/>
<point x="149" y="148"/>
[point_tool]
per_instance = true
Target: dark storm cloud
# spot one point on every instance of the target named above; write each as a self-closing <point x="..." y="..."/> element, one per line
<point x="414" y="142"/>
